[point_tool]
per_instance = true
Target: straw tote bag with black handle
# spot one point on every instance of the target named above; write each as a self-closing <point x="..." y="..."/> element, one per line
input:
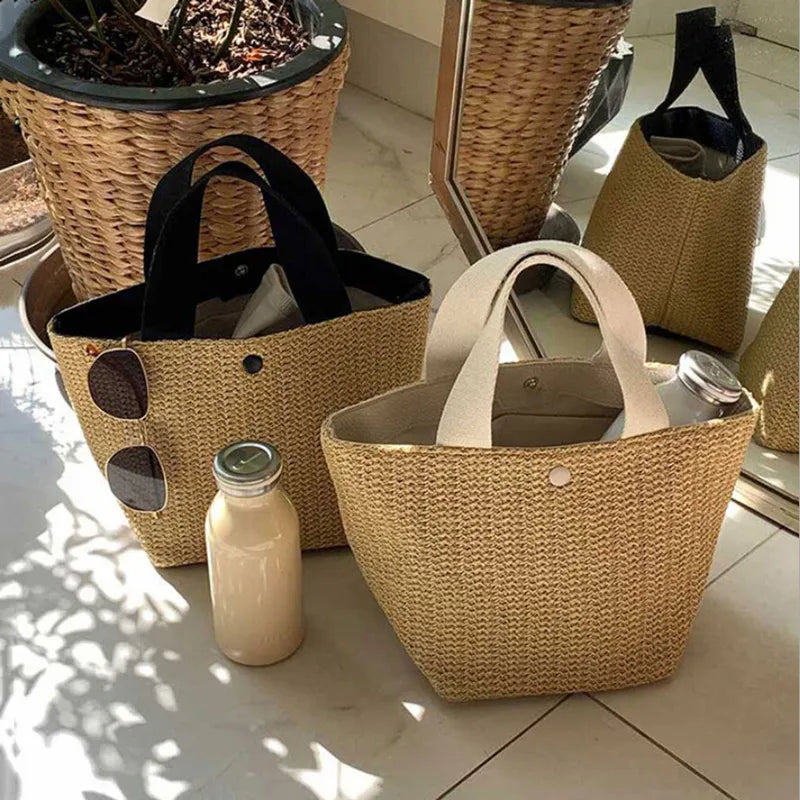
<point x="365" y="328"/>
<point x="512" y="552"/>
<point x="683" y="243"/>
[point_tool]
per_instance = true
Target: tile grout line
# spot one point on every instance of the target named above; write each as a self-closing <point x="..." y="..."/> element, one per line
<point x="392" y="213"/>
<point x="769" y="80"/>
<point x="739" y="560"/>
<point x="503" y="747"/>
<point x="663" y="749"/>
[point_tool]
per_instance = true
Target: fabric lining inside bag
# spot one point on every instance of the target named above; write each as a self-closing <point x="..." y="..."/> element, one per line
<point x="223" y="287"/>
<point x="536" y="405"/>
<point x="216" y="318"/>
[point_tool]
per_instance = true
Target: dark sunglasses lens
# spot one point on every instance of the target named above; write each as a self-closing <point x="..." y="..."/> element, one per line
<point x="137" y="479"/>
<point x="118" y="385"/>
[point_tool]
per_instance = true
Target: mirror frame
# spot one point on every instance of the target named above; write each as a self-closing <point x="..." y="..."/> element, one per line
<point x="766" y="501"/>
<point x="460" y="215"/>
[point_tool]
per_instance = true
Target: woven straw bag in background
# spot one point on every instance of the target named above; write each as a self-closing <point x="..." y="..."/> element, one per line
<point x="512" y="552"/>
<point x="532" y="68"/>
<point x="684" y="245"/>
<point x="769" y="369"/>
<point x="203" y="395"/>
<point x="99" y="166"/>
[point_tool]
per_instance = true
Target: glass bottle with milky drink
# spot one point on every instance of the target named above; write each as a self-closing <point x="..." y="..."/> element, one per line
<point x="254" y="563"/>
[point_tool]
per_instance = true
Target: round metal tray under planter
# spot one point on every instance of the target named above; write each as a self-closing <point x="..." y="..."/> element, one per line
<point x="100" y="149"/>
<point x="48" y="290"/>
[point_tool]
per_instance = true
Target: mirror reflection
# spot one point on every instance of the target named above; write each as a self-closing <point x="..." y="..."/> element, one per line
<point x="673" y="156"/>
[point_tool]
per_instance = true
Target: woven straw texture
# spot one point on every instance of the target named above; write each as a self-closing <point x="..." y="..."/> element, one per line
<point x="769" y="369"/>
<point x="99" y="166"/>
<point x="684" y="246"/>
<point x="501" y="584"/>
<point x="531" y="73"/>
<point x="201" y="399"/>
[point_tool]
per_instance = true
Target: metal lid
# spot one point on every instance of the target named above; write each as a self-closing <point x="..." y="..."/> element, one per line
<point x="709" y="378"/>
<point x="247" y="469"/>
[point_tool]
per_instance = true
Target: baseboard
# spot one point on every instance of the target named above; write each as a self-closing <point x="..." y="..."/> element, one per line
<point x="392" y="64"/>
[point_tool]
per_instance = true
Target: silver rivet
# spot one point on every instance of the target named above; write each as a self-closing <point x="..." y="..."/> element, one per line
<point x="241" y="270"/>
<point x="530" y="383"/>
<point x="560" y="476"/>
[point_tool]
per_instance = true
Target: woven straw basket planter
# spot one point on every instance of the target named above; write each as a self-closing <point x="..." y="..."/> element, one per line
<point x="99" y="151"/>
<point x="769" y="369"/>
<point x="531" y="72"/>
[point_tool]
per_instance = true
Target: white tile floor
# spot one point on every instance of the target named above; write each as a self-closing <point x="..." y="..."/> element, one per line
<point x="111" y="685"/>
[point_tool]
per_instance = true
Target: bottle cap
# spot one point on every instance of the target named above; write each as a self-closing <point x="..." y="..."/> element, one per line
<point x="247" y="469"/>
<point x="709" y="378"/>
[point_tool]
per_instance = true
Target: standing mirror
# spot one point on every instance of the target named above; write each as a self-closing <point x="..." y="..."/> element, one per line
<point x="535" y="102"/>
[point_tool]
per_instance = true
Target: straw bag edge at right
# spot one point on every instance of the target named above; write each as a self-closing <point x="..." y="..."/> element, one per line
<point x="769" y="368"/>
<point x="684" y="245"/>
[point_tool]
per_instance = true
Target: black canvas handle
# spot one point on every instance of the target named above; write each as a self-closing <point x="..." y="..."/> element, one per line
<point x="286" y="177"/>
<point x="701" y="44"/>
<point x="170" y="298"/>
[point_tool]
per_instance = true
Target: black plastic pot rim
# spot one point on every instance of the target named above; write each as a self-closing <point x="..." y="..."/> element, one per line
<point x="18" y="64"/>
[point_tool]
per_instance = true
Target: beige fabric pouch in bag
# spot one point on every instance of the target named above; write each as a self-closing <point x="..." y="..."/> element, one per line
<point x="512" y="552"/>
<point x="683" y="243"/>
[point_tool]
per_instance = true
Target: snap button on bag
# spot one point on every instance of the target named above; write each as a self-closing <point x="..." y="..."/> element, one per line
<point x="560" y="476"/>
<point x="252" y="364"/>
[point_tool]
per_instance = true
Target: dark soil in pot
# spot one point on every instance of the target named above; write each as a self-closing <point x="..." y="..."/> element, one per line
<point x="211" y="42"/>
<point x="26" y="25"/>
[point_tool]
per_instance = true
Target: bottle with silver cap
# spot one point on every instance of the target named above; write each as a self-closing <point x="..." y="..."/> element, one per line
<point x="254" y="562"/>
<point x="703" y="388"/>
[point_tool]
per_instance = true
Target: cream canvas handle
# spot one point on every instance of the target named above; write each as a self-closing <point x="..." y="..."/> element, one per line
<point x="463" y="312"/>
<point x="467" y="417"/>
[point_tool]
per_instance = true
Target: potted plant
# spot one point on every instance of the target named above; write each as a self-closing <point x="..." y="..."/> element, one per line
<point x="108" y="101"/>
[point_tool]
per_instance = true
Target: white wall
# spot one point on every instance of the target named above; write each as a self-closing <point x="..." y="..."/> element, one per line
<point x="420" y="18"/>
<point x="655" y="17"/>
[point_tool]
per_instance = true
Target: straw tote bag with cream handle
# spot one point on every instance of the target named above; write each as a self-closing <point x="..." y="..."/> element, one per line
<point x="513" y="553"/>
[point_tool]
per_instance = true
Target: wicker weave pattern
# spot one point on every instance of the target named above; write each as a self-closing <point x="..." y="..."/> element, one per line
<point x="531" y="74"/>
<point x="684" y="246"/>
<point x="500" y="584"/>
<point x="202" y="399"/>
<point x="99" y="167"/>
<point x="769" y="368"/>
